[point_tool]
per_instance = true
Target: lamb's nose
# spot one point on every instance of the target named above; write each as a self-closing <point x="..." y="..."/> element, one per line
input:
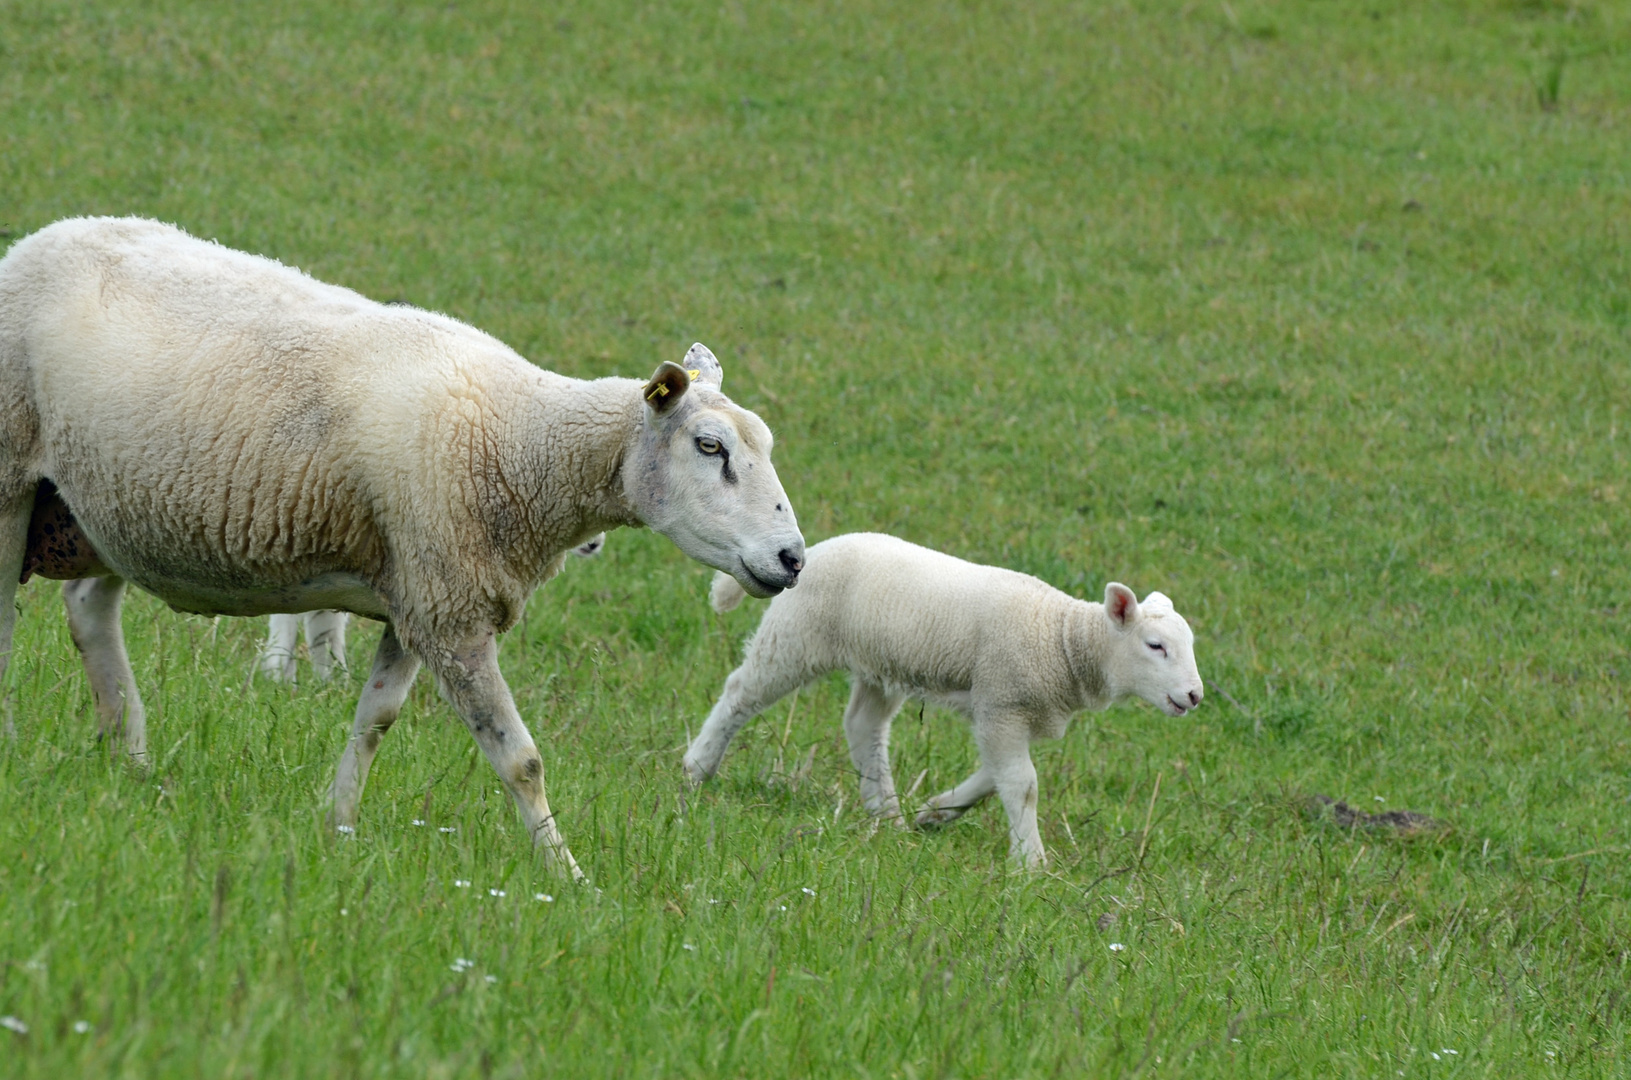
<point x="792" y="560"/>
<point x="1194" y="698"/>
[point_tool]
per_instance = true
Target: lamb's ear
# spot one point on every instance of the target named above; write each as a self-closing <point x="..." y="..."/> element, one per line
<point x="1120" y="604"/>
<point x="704" y="366"/>
<point x="668" y="384"/>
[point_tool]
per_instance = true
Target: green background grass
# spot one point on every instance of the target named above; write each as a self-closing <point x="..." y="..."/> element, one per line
<point x="1314" y="316"/>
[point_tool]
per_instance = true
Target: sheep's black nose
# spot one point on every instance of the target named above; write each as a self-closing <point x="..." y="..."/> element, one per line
<point x="791" y="560"/>
<point x="1194" y="698"/>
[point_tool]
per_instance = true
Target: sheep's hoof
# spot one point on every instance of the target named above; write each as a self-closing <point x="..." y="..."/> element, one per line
<point x="695" y="774"/>
<point x="930" y="820"/>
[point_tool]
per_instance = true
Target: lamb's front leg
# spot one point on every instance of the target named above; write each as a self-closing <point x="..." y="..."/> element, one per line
<point x="1005" y="751"/>
<point x="472" y="682"/>
<point x="866" y="726"/>
<point x="377" y="709"/>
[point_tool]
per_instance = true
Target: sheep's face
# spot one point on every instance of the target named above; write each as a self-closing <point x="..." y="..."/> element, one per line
<point x="1154" y="651"/>
<point x="701" y="475"/>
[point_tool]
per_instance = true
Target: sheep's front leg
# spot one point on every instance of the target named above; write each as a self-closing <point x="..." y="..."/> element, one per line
<point x="93" y="621"/>
<point x="866" y="726"/>
<point x="472" y="682"/>
<point x="377" y="709"/>
<point x="948" y="806"/>
<point x="1005" y="750"/>
<point x="13" y="552"/>
<point x="749" y="691"/>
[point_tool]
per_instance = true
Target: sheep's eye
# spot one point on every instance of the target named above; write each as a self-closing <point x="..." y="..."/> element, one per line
<point x="1156" y="646"/>
<point x="709" y="445"/>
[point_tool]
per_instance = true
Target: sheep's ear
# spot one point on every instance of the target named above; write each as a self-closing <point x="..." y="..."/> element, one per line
<point x="668" y="384"/>
<point x="703" y="365"/>
<point x="1120" y="604"/>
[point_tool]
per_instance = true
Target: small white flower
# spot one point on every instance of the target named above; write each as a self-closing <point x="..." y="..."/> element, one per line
<point x="460" y="883"/>
<point x="461" y="963"/>
<point x="782" y="907"/>
<point x="345" y="830"/>
<point x="1447" y="1050"/>
<point x="1234" y="1040"/>
<point x="82" y="1027"/>
<point x="495" y="892"/>
<point x="807" y="892"/>
<point x="543" y="898"/>
<point x="1378" y="798"/>
<point x="713" y="901"/>
<point x="343" y="911"/>
<point x="1435" y="1055"/>
<point x="492" y="978"/>
<point x="419" y="821"/>
<point x="11" y="1023"/>
<point x="688" y="947"/>
<point x="1116" y="946"/>
<point x="445" y="828"/>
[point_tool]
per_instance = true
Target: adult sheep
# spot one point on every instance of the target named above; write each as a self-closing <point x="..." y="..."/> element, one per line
<point x="240" y="439"/>
<point x="1014" y="654"/>
<point x="325" y="634"/>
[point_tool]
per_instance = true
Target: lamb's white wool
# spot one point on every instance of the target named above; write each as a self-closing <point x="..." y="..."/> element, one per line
<point x="240" y="439"/>
<point x="325" y="634"/>
<point x="1015" y="655"/>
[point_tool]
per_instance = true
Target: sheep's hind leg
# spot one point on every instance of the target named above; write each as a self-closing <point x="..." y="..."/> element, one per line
<point x="866" y="726"/>
<point x="325" y="641"/>
<point x="93" y="619"/>
<point x="749" y="691"/>
<point x="13" y="550"/>
<point x="472" y="682"/>
<point x="377" y="709"/>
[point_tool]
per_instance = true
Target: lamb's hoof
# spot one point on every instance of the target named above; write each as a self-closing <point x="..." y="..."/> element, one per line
<point x="695" y="775"/>
<point x="930" y="820"/>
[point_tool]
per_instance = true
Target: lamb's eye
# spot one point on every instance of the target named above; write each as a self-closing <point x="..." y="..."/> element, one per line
<point x="709" y="445"/>
<point x="1156" y="646"/>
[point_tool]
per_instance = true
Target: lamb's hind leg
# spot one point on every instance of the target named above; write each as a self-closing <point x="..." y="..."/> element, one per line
<point x="749" y="690"/>
<point x="325" y="641"/>
<point x="278" y="656"/>
<point x="377" y="709"/>
<point x="93" y="619"/>
<point x="866" y="726"/>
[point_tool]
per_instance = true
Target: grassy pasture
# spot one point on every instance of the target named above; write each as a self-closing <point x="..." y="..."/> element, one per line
<point x="1314" y="316"/>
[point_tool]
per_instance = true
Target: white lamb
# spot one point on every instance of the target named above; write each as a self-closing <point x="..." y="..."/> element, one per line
<point x="325" y="635"/>
<point x="240" y="439"/>
<point x="1015" y="655"/>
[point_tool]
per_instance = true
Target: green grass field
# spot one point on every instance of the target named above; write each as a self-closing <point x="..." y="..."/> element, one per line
<point x="1315" y="316"/>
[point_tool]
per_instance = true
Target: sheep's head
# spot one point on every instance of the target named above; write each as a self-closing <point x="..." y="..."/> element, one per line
<point x="1153" y="651"/>
<point x="700" y="474"/>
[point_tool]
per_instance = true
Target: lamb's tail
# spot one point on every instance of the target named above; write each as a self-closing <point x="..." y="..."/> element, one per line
<point x="726" y="593"/>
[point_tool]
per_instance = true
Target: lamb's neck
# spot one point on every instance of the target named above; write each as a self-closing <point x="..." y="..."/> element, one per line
<point x="569" y="456"/>
<point x="1087" y="645"/>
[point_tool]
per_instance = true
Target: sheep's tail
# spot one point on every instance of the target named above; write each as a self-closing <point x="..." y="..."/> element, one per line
<point x="726" y="593"/>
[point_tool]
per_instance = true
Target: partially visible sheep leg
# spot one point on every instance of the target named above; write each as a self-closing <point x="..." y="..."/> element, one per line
<point x="325" y="641"/>
<point x="13" y="550"/>
<point x="749" y="691"/>
<point x="472" y="682"/>
<point x="277" y="660"/>
<point x="377" y="709"/>
<point x="866" y="726"/>
<point x="948" y="806"/>
<point x="93" y="621"/>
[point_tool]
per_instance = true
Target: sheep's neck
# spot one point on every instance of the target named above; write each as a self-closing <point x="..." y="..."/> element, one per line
<point x="568" y="468"/>
<point x="1087" y="642"/>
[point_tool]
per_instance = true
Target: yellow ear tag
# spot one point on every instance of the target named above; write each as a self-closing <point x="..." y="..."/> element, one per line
<point x="660" y="390"/>
<point x="694" y="374"/>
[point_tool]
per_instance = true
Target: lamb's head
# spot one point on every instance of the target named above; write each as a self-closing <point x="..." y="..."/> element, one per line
<point x="1152" y="651"/>
<point x="700" y="474"/>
